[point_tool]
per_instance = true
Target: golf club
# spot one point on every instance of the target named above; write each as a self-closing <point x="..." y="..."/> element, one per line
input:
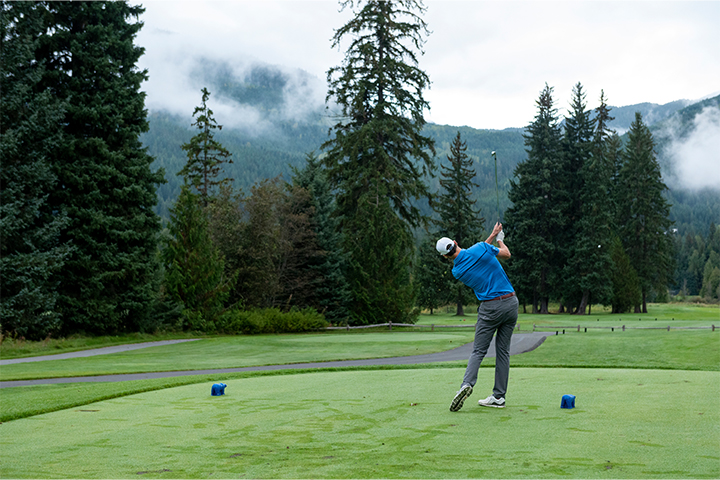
<point x="497" y="191"/>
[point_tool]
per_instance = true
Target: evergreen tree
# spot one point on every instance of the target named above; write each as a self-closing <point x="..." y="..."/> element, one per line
<point x="258" y="282"/>
<point x="433" y="275"/>
<point x="300" y="254"/>
<point x="459" y="219"/>
<point x="378" y="157"/>
<point x="535" y="221"/>
<point x="206" y="155"/>
<point x="587" y="272"/>
<point x="31" y="254"/>
<point x="625" y="281"/>
<point x="104" y="180"/>
<point x="711" y="277"/>
<point x="195" y="271"/>
<point x="332" y="290"/>
<point x="642" y="219"/>
<point x="381" y="285"/>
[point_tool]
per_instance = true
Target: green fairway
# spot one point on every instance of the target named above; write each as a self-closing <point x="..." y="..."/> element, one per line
<point x="659" y="315"/>
<point x="244" y="351"/>
<point x="648" y="406"/>
<point x="385" y="424"/>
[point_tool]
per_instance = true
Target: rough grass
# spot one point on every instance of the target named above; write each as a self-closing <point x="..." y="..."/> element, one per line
<point x="385" y="424"/>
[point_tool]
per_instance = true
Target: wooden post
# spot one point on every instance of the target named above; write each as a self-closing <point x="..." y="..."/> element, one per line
<point x="432" y="327"/>
<point x="623" y="328"/>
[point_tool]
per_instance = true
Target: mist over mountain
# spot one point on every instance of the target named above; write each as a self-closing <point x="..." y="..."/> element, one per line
<point x="272" y="117"/>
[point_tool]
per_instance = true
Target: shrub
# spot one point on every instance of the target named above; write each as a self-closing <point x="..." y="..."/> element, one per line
<point x="271" y="320"/>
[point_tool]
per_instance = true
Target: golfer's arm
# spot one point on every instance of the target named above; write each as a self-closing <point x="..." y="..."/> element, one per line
<point x="504" y="250"/>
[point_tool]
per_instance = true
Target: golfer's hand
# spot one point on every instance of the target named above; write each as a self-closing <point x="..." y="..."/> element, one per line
<point x="497" y="229"/>
<point x="500" y="236"/>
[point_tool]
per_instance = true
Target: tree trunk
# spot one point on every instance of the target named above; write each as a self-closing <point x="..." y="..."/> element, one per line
<point x="562" y="308"/>
<point x="544" y="305"/>
<point x="644" y="302"/>
<point x="460" y="310"/>
<point x="535" y="301"/>
<point x="583" y="303"/>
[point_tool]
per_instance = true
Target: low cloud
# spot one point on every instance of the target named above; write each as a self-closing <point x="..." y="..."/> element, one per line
<point x="695" y="155"/>
<point x="246" y="94"/>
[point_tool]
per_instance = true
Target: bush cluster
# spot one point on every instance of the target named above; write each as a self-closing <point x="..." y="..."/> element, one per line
<point x="271" y="320"/>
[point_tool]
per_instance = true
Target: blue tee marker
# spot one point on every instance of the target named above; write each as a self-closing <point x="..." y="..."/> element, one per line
<point x="218" y="389"/>
<point x="568" y="401"/>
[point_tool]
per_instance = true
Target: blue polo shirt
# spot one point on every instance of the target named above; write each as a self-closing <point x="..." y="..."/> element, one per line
<point x="478" y="268"/>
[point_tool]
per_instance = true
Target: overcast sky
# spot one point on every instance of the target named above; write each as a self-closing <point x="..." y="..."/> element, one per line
<point x="487" y="60"/>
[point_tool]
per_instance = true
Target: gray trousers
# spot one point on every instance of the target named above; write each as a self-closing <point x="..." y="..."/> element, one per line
<point x="497" y="316"/>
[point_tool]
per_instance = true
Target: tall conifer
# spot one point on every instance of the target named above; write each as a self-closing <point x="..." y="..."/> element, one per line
<point x="642" y="220"/>
<point x="459" y="219"/>
<point x="535" y="222"/>
<point x="587" y="271"/>
<point x="30" y="250"/>
<point x="104" y="179"/>
<point x="378" y="158"/>
<point x="206" y="155"/>
<point x="195" y="270"/>
<point x="332" y="291"/>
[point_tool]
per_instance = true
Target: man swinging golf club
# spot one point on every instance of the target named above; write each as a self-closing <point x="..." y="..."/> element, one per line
<point x="478" y="268"/>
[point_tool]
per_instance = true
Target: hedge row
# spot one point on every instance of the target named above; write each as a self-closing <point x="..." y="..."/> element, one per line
<point x="271" y="320"/>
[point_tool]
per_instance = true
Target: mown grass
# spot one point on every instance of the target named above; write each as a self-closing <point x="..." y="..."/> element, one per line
<point x="20" y="348"/>
<point x="659" y="314"/>
<point x="674" y="350"/>
<point x="385" y="424"/>
<point x="245" y="351"/>
<point x="379" y="422"/>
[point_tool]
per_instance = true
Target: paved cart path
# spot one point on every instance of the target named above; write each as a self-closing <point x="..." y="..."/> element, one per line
<point x="521" y="343"/>
<point x="94" y="351"/>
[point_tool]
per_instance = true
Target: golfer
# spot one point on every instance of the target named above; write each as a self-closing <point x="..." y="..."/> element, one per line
<point x="478" y="268"/>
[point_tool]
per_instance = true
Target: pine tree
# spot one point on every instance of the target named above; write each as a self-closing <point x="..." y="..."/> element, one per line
<point x="625" y="281"/>
<point x="587" y="272"/>
<point x="433" y="276"/>
<point x="206" y="155"/>
<point x="378" y="158"/>
<point x="381" y="284"/>
<point x="195" y="271"/>
<point x="332" y="290"/>
<point x="642" y="219"/>
<point x="535" y="222"/>
<point x="104" y="180"/>
<point x="30" y="250"/>
<point x="459" y="219"/>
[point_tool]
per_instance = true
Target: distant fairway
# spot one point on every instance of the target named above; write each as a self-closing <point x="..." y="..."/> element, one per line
<point x="385" y="424"/>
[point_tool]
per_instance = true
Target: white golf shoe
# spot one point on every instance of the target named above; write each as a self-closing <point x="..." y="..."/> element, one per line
<point x="460" y="397"/>
<point x="491" y="401"/>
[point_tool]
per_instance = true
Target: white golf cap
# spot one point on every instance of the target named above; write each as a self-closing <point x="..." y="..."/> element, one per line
<point x="444" y="245"/>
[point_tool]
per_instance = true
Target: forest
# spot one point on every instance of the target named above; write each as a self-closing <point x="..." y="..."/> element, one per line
<point x="116" y="219"/>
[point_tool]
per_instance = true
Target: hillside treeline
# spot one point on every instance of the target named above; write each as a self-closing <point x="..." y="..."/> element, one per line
<point x="84" y="251"/>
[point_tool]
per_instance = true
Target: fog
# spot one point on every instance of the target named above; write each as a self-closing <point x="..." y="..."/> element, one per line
<point x="695" y="155"/>
<point x="487" y="60"/>
<point x="245" y="93"/>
